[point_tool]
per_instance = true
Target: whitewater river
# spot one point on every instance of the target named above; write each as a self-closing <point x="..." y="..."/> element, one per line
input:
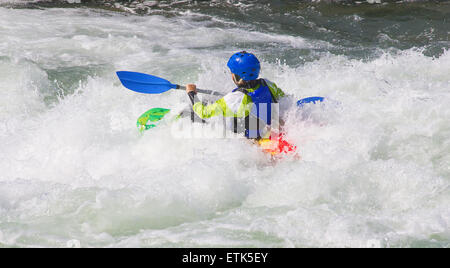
<point x="375" y="161"/>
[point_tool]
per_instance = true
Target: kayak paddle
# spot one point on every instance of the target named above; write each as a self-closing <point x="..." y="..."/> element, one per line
<point x="150" y="84"/>
<point x="304" y="101"/>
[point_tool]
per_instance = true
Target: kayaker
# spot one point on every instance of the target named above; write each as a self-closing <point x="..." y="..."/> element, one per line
<point x="250" y="105"/>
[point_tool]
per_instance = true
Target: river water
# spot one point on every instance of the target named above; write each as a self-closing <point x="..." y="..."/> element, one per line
<point x="375" y="163"/>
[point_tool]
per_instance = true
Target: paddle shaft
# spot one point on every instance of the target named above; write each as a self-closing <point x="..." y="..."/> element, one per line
<point x="203" y="91"/>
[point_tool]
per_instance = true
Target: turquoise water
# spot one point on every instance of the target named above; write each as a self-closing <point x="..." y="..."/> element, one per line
<point x="76" y="173"/>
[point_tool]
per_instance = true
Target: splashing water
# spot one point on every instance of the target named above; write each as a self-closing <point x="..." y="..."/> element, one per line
<point x="76" y="173"/>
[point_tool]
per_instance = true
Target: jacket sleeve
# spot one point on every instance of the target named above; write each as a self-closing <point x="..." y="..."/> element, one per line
<point x="209" y="110"/>
<point x="231" y="105"/>
<point x="277" y="93"/>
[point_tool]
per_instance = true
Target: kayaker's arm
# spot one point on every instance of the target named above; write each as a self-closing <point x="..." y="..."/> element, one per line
<point x="219" y="107"/>
<point x="201" y="109"/>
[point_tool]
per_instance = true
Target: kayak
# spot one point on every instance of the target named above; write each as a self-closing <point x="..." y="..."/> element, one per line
<point x="274" y="145"/>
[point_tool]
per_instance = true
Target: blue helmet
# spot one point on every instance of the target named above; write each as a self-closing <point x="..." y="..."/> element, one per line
<point x="244" y="64"/>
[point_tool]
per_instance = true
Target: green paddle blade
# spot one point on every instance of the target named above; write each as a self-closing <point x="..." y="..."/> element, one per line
<point x="145" y="121"/>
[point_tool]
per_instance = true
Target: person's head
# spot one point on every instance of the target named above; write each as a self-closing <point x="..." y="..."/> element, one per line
<point x="244" y="67"/>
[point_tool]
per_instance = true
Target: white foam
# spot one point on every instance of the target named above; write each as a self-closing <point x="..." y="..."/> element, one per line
<point x="374" y="169"/>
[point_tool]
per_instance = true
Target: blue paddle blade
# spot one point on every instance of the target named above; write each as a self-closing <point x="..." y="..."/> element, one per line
<point x="144" y="83"/>
<point x="304" y="101"/>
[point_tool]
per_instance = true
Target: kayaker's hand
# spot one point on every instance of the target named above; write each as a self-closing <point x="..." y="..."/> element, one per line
<point x="191" y="88"/>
